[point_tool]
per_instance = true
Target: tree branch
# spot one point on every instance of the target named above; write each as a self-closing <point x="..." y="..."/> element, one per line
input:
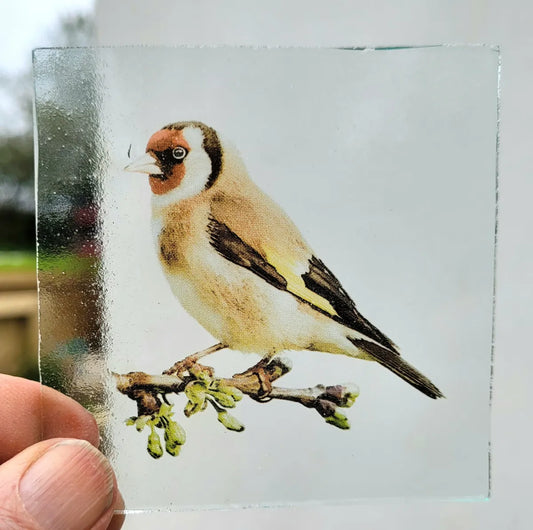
<point x="202" y="388"/>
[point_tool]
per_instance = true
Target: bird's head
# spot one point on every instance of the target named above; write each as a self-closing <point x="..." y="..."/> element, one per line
<point x="182" y="159"/>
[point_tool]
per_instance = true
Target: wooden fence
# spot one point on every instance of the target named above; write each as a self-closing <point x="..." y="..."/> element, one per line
<point x="18" y="323"/>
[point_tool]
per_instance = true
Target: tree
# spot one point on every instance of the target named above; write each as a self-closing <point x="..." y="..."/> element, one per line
<point x="17" y="207"/>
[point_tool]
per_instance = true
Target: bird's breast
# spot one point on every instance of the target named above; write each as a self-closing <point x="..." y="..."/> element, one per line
<point x="170" y="251"/>
<point x="176" y="235"/>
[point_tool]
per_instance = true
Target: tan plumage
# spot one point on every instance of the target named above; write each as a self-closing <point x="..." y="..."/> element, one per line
<point x="239" y="265"/>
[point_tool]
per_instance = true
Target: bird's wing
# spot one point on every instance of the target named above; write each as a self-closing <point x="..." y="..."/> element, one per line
<point x="285" y="261"/>
<point x="321" y="280"/>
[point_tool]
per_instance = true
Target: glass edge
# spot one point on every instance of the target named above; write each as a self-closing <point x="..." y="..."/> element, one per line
<point x="495" y="264"/>
<point x="364" y="501"/>
<point x="365" y="48"/>
<point x="36" y="193"/>
<point x="492" y="47"/>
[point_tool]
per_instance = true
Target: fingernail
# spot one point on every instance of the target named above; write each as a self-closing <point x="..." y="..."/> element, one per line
<point x="69" y="486"/>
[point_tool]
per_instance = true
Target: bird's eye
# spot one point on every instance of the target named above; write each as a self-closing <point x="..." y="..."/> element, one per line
<point x="179" y="153"/>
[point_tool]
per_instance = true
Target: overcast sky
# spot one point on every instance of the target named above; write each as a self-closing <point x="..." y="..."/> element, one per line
<point x="27" y="24"/>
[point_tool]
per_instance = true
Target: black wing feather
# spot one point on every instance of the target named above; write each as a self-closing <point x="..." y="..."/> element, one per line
<point x="399" y="366"/>
<point x="233" y="248"/>
<point x="323" y="282"/>
<point x="318" y="279"/>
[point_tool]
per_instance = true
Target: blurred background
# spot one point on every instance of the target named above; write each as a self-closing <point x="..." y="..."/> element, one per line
<point x="29" y="23"/>
<point x="57" y="23"/>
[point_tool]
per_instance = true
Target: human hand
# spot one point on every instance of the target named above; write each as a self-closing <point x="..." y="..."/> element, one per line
<point x="63" y="482"/>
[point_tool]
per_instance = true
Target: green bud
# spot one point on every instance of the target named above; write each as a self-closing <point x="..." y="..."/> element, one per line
<point x="192" y="408"/>
<point x="166" y="410"/>
<point x="222" y="399"/>
<point x="351" y="393"/>
<point x="229" y="421"/>
<point x="175" y="432"/>
<point x="174" y="438"/>
<point x="173" y="450"/>
<point x="338" y="420"/>
<point x="155" y="449"/>
<point x="195" y="391"/>
<point x="141" y="422"/>
<point x="131" y="421"/>
<point x="235" y="393"/>
<point x="200" y="374"/>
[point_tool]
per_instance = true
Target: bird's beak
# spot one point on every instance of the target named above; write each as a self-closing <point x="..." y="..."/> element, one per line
<point x="144" y="164"/>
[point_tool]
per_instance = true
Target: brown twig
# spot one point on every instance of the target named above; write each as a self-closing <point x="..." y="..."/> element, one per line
<point x="202" y="388"/>
<point x="145" y="389"/>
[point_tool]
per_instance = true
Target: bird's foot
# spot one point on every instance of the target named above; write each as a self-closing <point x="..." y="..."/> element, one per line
<point x="191" y="366"/>
<point x="260" y="371"/>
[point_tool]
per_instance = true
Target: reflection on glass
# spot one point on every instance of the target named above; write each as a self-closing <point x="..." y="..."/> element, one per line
<point x="70" y="153"/>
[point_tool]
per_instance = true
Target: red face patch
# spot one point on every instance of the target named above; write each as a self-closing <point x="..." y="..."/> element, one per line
<point x="161" y="141"/>
<point x="166" y="139"/>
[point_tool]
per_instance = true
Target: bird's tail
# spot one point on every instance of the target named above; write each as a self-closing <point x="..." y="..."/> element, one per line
<point x="395" y="363"/>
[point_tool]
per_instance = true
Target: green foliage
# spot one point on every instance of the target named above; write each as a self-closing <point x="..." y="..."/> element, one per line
<point x="67" y="263"/>
<point x="16" y="159"/>
<point x="17" y="220"/>
<point x="174" y="438"/>
<point x="201" y="392"/>
<point x="202" y="388"/>
<point x="154" y="448"/>
<point x="216" y="392"/>
<point x="338" y="420"/>
<point x="17" y="261"/>
<point x="174" y="434"/>
<point x="229" y="421"/>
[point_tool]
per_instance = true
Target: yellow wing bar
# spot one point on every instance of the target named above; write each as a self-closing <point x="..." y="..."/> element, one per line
<point x="295" y="282"/>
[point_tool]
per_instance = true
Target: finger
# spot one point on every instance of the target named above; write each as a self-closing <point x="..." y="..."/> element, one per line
<point x="118" y="519"/>
<point x="31" y="412"/>
<point x="59" y="483"/>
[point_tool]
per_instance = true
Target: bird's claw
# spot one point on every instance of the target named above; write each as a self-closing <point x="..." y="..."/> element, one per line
<point x="265" y="383"/>
<point x="192" y="366"/>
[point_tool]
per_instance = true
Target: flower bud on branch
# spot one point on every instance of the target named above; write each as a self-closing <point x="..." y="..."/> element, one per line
<point x="202" y="388"/>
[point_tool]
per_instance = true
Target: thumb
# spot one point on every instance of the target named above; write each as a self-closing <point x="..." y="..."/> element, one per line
<point x="59" y="483"/>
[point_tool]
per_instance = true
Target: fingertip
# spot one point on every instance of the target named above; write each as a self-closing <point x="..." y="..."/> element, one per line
<point x="62" y="417"/>
<point x="69" y="485"/>
<point x="119" y="516"/>
<point x="58" y="483"/>
<point x="32" y="412"/>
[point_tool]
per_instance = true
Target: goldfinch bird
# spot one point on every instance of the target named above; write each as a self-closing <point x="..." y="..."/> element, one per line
<point x="240" y="266"/>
